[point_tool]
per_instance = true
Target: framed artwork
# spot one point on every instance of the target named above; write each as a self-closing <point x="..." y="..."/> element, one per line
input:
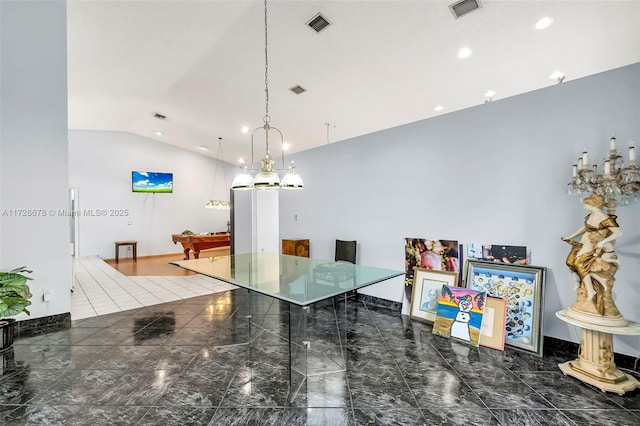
<point x="522" y="287"/>
<point x="427" y="285"/>
<point x="500" y="253"/>
<point x="437" y="255"/>
<point x="494" y="319"/>
<point x="459" y="314"/>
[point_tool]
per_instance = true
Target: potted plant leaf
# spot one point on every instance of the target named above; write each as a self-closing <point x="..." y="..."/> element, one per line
<point x="14" y="299"/>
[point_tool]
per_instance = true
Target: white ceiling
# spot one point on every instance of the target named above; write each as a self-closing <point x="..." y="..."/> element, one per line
<point x="380" y="64"/>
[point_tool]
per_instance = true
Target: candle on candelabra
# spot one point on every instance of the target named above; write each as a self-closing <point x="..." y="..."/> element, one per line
<point x="580" y="166"/>
<point x="575" y="170"/>
<point x="585" y="163"/>
<point x="607" y="166"/>
<point x="632" y="154"/>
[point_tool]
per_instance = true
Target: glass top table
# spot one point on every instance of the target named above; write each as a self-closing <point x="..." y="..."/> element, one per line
<point x="298" y="280"/>
<point x="293" y="284"/>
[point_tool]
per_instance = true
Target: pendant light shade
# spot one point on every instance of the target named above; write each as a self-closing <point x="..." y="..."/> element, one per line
<point x="243" y="181"/>
<point x="266" y="177"/>
<point x="292" y="179"/>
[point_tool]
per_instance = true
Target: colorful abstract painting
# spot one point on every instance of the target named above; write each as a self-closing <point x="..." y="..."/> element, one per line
<point x="436" y="255"/>
<point x="459" y="314"/>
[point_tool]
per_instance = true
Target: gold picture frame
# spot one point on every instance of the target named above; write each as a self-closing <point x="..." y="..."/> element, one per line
<point x="493" y="323"/>
<point x="427" y="285"/>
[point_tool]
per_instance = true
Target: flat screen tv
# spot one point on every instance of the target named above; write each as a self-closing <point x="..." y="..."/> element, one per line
<point x="152" y="182"/>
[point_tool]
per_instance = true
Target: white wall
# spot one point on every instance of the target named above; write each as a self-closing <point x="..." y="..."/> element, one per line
<point x="100" y="165"/>
<point x="495" y="173"/>
<point x="33" y="147"/>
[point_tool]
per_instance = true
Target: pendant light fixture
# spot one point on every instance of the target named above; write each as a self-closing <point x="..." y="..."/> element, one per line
<point x="267" y="175"/>
<point x="219" y="204"/>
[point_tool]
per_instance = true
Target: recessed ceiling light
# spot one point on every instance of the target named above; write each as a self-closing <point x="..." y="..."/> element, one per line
<point x="556" y="75"/>
<point x="465" y="52"/>
<point x="439" y="108"/>
<point x="241" y="160"/>
<point x="245" y="129"/>
<point x="286" y="146"/>
<point x="490" y="93"/>
<point x="204" y="148"/>
<point x="544" y="23"/>
<point x="158" y="133"/>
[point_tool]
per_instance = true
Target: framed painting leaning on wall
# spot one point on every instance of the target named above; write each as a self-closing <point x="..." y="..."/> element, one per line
<point x="427" y="285"/>
<point x="522" y="287"/>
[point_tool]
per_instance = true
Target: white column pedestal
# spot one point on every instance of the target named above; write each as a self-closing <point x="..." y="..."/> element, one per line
<point x="595" y="364"/>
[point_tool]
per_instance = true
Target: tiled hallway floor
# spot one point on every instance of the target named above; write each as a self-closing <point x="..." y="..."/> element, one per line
<point x="99" y="289"/>
<point x="186" y="362"/>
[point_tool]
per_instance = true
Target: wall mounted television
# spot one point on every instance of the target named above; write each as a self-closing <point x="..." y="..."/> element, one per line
<point x="153" y="182"/>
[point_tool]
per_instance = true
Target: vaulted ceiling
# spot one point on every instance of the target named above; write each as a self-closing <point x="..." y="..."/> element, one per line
<point x="379" y="64"/>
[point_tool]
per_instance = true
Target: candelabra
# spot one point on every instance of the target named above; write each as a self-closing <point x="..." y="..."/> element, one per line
<point x="594" y="263"/>
<point x="618" y="185"/>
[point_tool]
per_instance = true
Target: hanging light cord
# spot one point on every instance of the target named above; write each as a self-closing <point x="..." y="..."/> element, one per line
<point x="266" y="117"/>
<point x="224" y="173"/>
<point x="220" y="158"/>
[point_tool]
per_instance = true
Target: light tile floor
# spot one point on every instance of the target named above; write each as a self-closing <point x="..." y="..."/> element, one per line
<point x="99" y="289"/>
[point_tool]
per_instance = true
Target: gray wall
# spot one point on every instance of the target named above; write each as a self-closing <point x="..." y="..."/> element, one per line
<point x="33" y="144"/>
<point x="495" y="173"/>
<point x="100" y="167"/>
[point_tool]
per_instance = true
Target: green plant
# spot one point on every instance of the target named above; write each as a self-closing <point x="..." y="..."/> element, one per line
<point x="14" y="292"/>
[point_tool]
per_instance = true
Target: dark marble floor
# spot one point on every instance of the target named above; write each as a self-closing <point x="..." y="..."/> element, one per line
<point x="188" y="363"/>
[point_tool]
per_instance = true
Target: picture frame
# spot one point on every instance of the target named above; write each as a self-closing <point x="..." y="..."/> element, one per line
<point x="522" y="287"/>
<point x="459" y="314"/>
<point x="427" y="285"/>
<point x="492" y="332"/>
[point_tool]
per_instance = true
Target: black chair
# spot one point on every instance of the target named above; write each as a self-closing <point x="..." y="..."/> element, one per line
<point x="346" y="251"/>
<point x="338" y="271"/>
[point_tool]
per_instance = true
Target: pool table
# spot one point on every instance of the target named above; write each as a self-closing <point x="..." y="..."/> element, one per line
<point x="200" y="242"/>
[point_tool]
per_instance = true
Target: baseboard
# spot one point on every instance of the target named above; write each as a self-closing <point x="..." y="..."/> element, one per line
<point x="382" y="303"/>
<point x="42" y="325"/>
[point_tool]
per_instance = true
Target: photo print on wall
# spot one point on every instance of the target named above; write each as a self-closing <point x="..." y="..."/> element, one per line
<point x="436" y="255"/>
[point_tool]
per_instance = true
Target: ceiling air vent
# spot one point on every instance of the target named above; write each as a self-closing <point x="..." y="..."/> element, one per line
<point x="297" y="89"/>
<point x="318" y="23"/>
<point x="463" y="7"/>
<point x="160" y="116"/>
